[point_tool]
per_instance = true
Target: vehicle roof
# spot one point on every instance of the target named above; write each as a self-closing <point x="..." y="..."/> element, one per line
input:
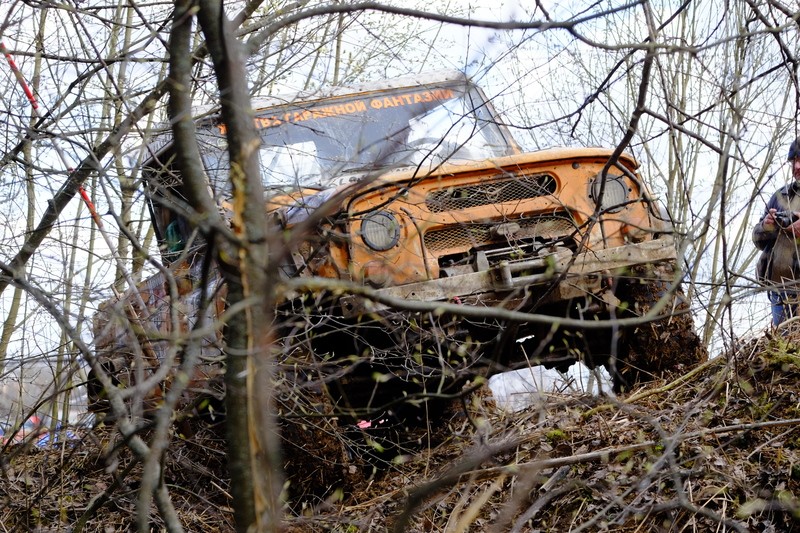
<point x="426" y="78"/>
<point x="163" y="139"/>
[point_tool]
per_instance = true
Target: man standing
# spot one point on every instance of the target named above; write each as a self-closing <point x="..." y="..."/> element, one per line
<point x="777" y="235"/>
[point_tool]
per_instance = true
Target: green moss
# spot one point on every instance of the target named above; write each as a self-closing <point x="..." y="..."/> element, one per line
<point x="624" y="456"/>
<point x="782" y="354"/>
<point x="745" y="387"/>
<point x="554" y="436"/>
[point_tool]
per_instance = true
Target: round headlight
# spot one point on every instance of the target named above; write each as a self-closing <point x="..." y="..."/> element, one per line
<point x="380" y="231"/>
<point x="615" y="193"/>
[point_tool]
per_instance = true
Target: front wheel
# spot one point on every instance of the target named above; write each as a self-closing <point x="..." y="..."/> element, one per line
<point x="669" y="344"/>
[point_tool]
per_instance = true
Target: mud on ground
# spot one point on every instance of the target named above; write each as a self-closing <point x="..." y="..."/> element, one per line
<point x="715" y="448"/>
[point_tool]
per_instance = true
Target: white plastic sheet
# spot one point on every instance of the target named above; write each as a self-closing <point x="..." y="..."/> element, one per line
<point x="522" y="388"/>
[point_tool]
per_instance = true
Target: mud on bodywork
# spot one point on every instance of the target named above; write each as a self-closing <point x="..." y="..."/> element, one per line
<point x="134" y="344"/>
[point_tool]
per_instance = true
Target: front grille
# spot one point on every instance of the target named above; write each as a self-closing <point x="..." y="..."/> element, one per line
<point x="519" y="188"/>
<point x="466" y="236"/>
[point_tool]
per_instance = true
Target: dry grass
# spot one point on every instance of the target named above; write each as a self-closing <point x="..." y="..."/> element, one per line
<point x="715" y="449"/>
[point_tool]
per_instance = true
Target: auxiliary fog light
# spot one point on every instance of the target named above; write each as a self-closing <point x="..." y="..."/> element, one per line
<point x="380" y="231"/>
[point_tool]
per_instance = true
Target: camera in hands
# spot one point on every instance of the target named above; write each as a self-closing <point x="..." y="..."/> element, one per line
<point x="784" y="219"/>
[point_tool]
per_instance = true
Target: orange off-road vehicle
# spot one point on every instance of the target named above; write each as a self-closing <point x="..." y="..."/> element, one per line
<point x="444" y="252"/>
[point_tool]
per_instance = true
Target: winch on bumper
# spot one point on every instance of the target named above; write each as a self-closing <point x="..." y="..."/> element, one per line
<point x="510" y="282"/>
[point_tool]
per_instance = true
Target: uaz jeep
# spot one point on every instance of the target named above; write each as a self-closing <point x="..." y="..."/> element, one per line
<point x="433" y="250"/>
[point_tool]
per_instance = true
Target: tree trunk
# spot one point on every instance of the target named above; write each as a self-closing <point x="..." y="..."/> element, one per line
<point x="254" y="463"/>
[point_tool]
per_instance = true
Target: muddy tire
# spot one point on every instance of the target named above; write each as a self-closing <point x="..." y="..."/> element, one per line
<point x="663" y="346"/>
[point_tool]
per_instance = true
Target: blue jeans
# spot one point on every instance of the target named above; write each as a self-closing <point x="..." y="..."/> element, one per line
<point x="784" y="306"/>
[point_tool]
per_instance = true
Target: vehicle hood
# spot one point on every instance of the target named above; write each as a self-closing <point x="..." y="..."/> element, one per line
<point x="296" y="206"/>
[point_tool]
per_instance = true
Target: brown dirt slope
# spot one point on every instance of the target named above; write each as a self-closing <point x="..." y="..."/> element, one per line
<point x="714" y="449"/>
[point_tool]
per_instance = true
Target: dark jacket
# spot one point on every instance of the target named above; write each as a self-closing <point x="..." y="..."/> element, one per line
<point x="779" y="264"/>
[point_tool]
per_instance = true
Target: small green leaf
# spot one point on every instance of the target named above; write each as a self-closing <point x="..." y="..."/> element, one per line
<point x="381" y="378"/>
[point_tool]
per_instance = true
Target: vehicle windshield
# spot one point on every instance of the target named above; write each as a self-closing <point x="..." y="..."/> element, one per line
<point x="316" y="144"/>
